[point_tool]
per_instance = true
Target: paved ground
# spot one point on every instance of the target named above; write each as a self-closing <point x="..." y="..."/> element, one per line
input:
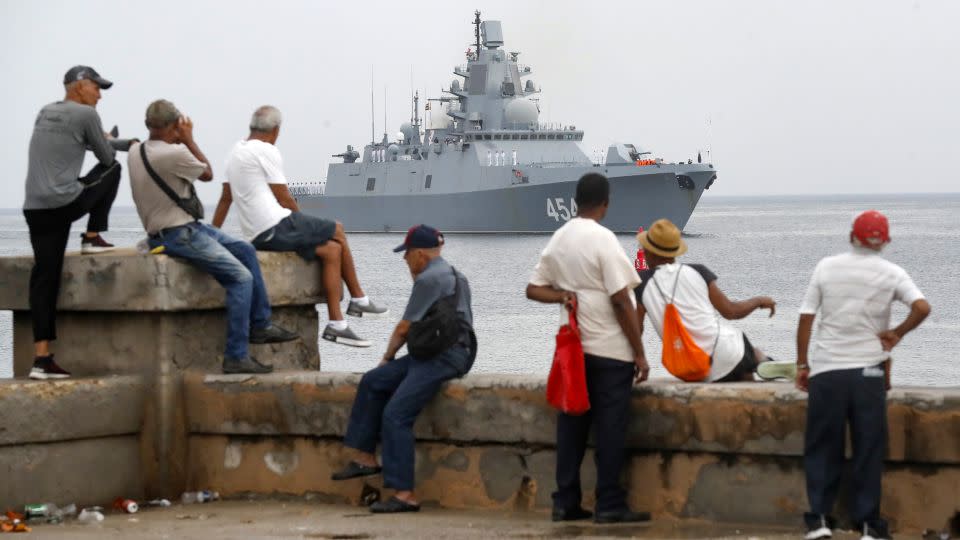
<point x="311" y="520"/>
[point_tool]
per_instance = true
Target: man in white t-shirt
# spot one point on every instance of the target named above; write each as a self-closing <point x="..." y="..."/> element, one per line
<point x="584" y="260"/>
<point x="271" y="220"/>
<point x="847" y="375"/>
<point x="694" y="291"/>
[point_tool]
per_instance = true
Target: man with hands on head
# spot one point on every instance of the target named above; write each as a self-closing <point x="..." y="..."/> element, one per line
<point x="847" y="374"/>
<point x="584" y="260"/>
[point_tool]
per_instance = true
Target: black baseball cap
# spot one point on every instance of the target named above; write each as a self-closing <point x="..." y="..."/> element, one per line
<point x="79" y="73"/>
<point x="420" y="236"/>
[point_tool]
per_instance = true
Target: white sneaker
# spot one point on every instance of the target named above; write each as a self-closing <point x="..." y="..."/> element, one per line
<point x="369" y="311"/>
<point x="777" y="369"/>
<point x="344" y="337"/>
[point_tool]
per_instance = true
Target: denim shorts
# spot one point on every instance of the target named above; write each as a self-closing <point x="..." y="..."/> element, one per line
<point x="297" y="232"/>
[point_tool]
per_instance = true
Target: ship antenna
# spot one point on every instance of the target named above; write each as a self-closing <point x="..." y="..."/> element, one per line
<point x="373" y="137"/>
<point x="476" y="24"/>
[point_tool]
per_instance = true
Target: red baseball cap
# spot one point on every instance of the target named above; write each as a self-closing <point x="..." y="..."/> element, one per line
<point x="871" y="228"/>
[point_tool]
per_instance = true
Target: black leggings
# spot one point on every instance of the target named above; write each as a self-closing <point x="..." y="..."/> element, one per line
<point x="49" y="231"/>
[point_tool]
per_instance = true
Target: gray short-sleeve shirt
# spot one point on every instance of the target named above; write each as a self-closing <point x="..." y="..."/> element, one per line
<point x="435" y="282"/>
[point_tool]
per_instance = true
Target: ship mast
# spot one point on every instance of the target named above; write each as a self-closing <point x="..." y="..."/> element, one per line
<point x="476" y="31"/>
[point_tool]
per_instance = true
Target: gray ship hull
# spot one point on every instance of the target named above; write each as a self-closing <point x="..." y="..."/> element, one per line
<point x="635" y="200"/>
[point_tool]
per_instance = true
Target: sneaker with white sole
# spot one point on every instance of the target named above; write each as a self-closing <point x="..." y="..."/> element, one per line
<point x="45" y="368"/>
<point x="344" y="337"/>
<point x="94" y="245"/>
<point x="370" y="311"/>
<point x="818" y="527"/>
<point x="777" y="369"/>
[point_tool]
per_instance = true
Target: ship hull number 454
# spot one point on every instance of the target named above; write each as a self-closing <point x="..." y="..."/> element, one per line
<point x="558" y="209"/>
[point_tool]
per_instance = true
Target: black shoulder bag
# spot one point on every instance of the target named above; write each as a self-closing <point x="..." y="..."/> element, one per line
<point x="440" y="328"/>
<point x="191" y="205"/>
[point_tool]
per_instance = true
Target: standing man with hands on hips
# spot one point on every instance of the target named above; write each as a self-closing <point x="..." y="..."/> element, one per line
<point x="847" y="375"/>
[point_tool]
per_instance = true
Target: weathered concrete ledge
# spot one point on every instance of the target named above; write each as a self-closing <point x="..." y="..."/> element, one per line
<point x="124" y="280"/>
<point x="81" y="408"/>
<point x="145" y="309"/>
<point x="729" y="453"/>
<point x="741" y="418"/>
<point x="71" y="441"/>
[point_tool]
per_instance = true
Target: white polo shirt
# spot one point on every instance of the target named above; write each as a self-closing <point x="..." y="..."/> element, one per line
<point x="251" y="166"/>
<point x="714" y="335"/>
<point x="585" y="258"/>
<point x="851" y="295"/>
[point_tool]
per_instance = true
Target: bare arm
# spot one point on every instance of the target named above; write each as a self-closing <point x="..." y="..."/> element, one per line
<point x="185" y="127"/>
<point x="548" y="295"/>
<point x="804" y="329"/>
<point x="641" y="314"/>
<point x="397" y="339"/>
<point x="283" y="196"/>
<point x="919" y="310"/>
<point x="627" y="317"/>
<point x="731" y="309"/>
<point x="223" y="206"/>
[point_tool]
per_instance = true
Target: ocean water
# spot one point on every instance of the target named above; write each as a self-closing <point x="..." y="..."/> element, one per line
<point x="757" y="246"/>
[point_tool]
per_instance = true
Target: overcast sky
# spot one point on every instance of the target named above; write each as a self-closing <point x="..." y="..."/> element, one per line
<point x="790" y="96"/>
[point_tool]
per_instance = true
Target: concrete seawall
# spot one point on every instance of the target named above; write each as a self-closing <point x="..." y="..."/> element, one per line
<point x="149" y="418"/>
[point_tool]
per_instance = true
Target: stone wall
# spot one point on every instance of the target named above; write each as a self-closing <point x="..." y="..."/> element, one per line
<point x="75" y="441"/>
<point x="720" y="452"/>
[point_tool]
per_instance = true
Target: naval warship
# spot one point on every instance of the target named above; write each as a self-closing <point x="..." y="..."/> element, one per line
<point x="484" y="163"/>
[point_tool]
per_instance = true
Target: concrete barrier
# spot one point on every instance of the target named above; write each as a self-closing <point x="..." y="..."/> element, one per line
<point x="71" y="441"/>
<point x="154" y="316"/>
<point x="722" y="452"/>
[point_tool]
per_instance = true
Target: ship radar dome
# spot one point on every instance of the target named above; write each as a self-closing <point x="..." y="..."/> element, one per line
<point x="455" y="86"/>
<point x="392" y="152"/>
<point x="407" y="131"/>
<point x="521" y="112"/>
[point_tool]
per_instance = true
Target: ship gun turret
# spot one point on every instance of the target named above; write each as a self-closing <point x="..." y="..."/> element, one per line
<point x="350" y="156"/>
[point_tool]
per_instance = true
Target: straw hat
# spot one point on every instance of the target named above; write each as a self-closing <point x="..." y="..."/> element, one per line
<point x="663" y="239"/>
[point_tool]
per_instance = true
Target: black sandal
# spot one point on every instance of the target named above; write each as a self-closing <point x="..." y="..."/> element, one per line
<point x="355" y="470"/>
<point x="393" y="505"/>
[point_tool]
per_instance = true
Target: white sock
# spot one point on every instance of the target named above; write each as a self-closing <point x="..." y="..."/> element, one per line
<point x="338" y="325"/>
<point x="363" y="301"/>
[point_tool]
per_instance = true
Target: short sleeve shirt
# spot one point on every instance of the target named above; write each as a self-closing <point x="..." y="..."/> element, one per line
<point x="176" y="166"/>
<point x="851" y="294"/>
<point x="434" y="283"/>
<point x="251" y="166"/>
<point x="688" y="286"/>
<point x="585" y="258"/>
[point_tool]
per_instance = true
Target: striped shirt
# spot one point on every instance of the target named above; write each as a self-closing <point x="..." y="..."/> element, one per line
<point x="852" y="293"/>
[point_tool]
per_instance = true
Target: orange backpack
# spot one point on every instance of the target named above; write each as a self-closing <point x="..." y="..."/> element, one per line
<point x="682" y="357"/>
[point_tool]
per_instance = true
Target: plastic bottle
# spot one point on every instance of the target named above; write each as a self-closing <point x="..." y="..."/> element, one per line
<point x="158" y="502"/>
<point x="90" y="515"/>
<point x="202" y="496"/>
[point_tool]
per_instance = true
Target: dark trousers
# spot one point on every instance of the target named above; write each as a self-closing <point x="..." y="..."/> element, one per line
<point x="49" y="231"/>
<point x="858" y="397"/>
<point x="388" y="401"/>
<point x="608" y="384"/>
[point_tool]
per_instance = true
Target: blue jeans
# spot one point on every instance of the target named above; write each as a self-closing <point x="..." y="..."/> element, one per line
<point x="388" y="401"/>
<point x="233" y="263"/>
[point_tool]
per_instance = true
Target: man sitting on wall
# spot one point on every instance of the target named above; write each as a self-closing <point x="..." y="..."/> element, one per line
<point x="391" y="395"/>
<point x="272" y="221"/>
<point x="693" y="289"/>
<point x="172" y="157"/>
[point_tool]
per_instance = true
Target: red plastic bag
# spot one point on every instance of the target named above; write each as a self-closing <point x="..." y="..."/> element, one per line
<point x="567" y="384"/>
